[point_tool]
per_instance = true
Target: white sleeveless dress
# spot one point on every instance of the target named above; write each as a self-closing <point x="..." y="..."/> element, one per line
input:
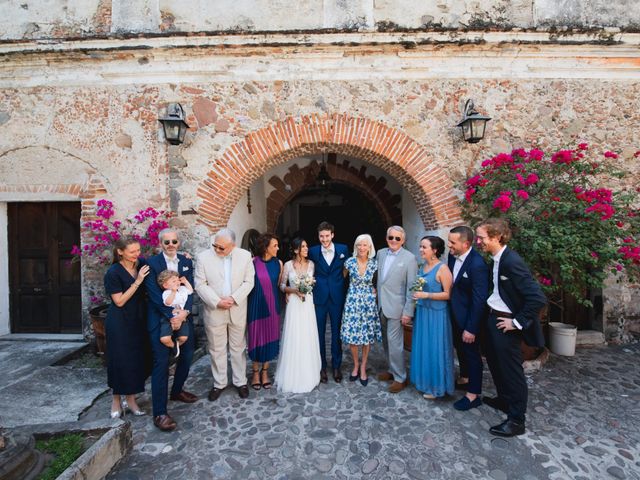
<point x="299" y="365"/>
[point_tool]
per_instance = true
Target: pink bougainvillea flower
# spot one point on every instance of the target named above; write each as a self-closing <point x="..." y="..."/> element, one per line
<point x="595" y="255"/>
<point x="536" y="154"/>
<point x="563" y="156"/>
<point x="531" y="179"/>
<point x="522" y="194"/>
<point x="468" y="195"/>
<point x="502" y="203"/>
<point x="583" y="146"/>
<point x="610" y="154"/>
<point x="619" y="267"/>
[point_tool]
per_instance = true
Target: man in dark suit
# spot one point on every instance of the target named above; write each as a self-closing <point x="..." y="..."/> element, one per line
<point x="329" y="294"/>
<point x="514" y="309"/>
<point x="468" y="310"/>
<point x="157" y="313"/>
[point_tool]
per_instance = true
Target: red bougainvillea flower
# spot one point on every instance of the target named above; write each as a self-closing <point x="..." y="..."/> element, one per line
<point x="522" y="194"/>
<point x="536" y="154"/>
<point x="609" y="154"/>
<point x="583" y="146"/>
<point x="563" y="156"/>
<point x="531" y="179"/>
<point x="502" y="203"/>
<point x="468" y="195"/>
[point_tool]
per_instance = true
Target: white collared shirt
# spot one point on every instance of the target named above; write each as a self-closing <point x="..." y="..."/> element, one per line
<point x="458" y="265"/>
<point x="172" y="263"/>
<point x="495" y="301"/>
<point x="227" y="287"/>
<point x="329" y="253"/>
<point x="389" y="261"/>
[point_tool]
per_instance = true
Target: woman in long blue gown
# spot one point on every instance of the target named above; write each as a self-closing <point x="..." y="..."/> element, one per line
<point x="432" y="343"/>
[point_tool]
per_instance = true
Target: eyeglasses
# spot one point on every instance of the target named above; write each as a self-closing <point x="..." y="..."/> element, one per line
<point x="167" y="242"/>
<point x="397" y="239"/>
<point x="218" y="247"/>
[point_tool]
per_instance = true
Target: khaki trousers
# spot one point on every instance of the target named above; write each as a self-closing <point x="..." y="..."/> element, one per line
<point x="219" y="335"/>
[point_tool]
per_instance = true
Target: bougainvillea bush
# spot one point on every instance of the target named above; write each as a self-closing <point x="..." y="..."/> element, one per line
<point x="570" y="228"/>
<point x="102" y="232"/>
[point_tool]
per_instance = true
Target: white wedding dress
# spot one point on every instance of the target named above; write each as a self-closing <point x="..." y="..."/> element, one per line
<point x="299" y="364"/>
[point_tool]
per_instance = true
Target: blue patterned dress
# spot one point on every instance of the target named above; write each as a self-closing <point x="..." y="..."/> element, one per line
<point x="360" y="320"/>
<point x="432" y="343"/>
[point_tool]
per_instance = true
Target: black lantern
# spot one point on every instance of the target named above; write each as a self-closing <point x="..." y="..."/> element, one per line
<point x="323" y="178"/>
<point x="472" y="123"/>
<point x="174" y="125"/>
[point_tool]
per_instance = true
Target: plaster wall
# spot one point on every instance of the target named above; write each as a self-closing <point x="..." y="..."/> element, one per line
<point x="30" y="19"/>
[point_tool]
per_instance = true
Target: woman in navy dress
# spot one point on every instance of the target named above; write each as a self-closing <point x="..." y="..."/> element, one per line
<point x="125" y="326"/>
<point x="263" y="310"/>
<point x="432" y="342"/>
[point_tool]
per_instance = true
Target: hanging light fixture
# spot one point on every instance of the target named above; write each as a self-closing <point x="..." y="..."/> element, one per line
<point x="174" y="125"/>
<point x="323" y="178"/>
<point x="472" y="124"/>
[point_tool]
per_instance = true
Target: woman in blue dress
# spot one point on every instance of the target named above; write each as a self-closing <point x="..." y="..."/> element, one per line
<point x="432" y="343"/>
<point x="125" y="326"/>
<point x="360" y="320"/>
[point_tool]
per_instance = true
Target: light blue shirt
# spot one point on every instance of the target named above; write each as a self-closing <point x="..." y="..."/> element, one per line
<point x="389" y="261"/>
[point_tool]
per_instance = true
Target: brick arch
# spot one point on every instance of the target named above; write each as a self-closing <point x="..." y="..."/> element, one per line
<point x="297" y="179"/>
<point x="374" y="142"/>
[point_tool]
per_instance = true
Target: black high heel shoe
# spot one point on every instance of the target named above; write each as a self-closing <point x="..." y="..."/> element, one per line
<point x="353" y="378"/>
<point x="364" y="382"/>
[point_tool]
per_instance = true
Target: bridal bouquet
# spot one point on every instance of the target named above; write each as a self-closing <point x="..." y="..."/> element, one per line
<point x="304" y="284"/>
<point x="418" y="284"/>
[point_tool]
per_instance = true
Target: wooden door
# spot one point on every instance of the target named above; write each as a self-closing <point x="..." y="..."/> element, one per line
<point x="44" y="286"/>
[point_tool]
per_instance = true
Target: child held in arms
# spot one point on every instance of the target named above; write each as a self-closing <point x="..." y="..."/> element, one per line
<point x="176" y="293"/>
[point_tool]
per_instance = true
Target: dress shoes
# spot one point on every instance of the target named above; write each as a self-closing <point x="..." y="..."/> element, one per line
<point x="364" y="382"/>
<point x="385" y="377"/>
<point x="214" y="394"/>
<point x="337" y="375"/>
<point x="353" y="378"/>
<point x="323" y="376"/>
<point x="243" y="391"/>
<point x="397" y="387"/>
<point x="508" y="428"/>
<point x="184" y="396"/>
<point x="496" y="403"/>
<point x="164" y="423"/>
<point x="465" y="404"/>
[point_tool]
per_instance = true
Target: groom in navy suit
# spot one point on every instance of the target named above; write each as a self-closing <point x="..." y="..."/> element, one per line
<point x="157" y="313"/>
<point x="514" y="309"/>
<point x="329" y="294"/>
<point x="468" y="311"/>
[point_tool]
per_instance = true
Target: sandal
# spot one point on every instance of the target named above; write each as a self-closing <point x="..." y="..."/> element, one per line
<point x="256" y="385"/>
<point x="266" y="385"/>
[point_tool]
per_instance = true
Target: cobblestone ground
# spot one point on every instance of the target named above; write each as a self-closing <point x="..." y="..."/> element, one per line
<point x="583" y="423"/>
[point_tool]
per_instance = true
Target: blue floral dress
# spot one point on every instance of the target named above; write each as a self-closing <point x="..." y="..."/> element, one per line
<point x="360" y="320"/>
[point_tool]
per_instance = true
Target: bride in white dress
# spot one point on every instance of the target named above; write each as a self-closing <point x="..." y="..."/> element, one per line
<point x="299" y="364"/>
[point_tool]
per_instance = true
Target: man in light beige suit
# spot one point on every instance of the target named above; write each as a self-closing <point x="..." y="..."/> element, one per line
<point x="224" y="277"/>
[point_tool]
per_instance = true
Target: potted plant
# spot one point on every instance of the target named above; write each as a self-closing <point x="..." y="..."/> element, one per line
<point x="572" y="231"/>
<point x="99" y="234"/>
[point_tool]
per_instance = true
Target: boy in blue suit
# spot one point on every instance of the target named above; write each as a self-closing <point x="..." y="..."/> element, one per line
<point x="329" y="295"/>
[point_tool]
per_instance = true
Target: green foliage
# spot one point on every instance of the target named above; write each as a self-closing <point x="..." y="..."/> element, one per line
<point x="66" y="449"/>
<point x="570" y="230"/>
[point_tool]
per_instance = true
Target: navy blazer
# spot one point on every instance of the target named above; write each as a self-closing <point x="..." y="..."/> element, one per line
<point x="522" y="294"/>
<point x="157" y="310"/>
<point x="329" y="278"/>
<point x="469" y="292"/>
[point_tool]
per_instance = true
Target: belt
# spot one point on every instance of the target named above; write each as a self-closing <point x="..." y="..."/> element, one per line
<point x="497" y="313"/>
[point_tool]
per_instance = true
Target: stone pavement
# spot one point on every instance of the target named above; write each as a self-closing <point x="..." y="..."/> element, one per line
<point x="583" y="423"/>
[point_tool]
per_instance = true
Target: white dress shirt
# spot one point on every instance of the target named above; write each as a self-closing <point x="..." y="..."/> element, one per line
<point x="328" y="253"/>
<point x="227" y="287"/>
<point x="172" y="263"/>
<point x="458" y="265"/>
<point x="494" y="301"/>
<point x="389" y="261"/>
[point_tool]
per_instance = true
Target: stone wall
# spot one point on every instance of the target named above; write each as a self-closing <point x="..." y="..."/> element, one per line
<point x="29" y="19"/>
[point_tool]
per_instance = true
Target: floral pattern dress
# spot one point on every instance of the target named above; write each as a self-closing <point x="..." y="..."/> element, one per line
<point x="360" y="320"/>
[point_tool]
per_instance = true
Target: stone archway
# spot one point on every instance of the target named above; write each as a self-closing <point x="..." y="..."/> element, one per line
<point x="374" y="142"/>
<point x="296" y="179"/>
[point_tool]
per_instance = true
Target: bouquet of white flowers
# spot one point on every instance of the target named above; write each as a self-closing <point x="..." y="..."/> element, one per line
<point x="304" y="284"/>
<point x="418" y="284"/>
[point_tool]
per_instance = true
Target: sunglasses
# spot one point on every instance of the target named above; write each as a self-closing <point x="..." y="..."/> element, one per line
<point x="218" y="247"/>
<point x="397" y="239"/>
<point x="167" y="242"/>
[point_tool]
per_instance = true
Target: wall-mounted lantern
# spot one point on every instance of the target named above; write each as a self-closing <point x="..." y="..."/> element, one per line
<point x="472" y="124"/>
<point x="174" y="125"/>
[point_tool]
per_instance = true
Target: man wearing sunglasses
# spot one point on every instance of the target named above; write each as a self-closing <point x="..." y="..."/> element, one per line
<point x="158" y="312"/>
<point x="397" y="269"/>
<point x="224" y="279"/>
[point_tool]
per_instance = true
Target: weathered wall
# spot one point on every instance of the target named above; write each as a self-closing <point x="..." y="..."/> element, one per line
<point x="29" y="19"/>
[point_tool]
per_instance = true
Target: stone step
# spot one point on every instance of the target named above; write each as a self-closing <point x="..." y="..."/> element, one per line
<point x="588" y="338"/>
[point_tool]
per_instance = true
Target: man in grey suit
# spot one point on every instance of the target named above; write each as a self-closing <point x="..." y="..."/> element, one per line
<point x="397" y="269"/>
